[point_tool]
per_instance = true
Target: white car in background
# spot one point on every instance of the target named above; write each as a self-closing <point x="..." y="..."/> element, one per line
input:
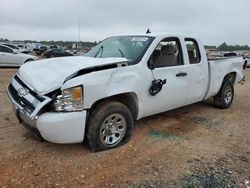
<point x="17" y="48"/>
<point x="11" y="58"/>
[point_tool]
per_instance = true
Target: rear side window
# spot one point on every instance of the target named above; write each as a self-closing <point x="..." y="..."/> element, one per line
<point x="193" y="51"/>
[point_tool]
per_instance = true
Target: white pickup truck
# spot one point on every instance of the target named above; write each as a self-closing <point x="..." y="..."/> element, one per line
<point x="98" y="97"/>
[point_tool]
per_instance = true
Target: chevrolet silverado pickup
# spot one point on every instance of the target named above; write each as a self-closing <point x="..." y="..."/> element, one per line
<point x="97" y="97"/>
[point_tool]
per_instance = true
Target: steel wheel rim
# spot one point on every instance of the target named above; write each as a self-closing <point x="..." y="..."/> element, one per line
<point x="228" y="95"/>
<point x="112" y="130"/>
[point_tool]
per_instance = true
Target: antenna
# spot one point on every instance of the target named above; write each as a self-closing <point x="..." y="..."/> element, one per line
<point x="148" y="31"/>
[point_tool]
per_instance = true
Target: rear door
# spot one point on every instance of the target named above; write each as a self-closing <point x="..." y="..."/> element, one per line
<point x="197" y="70"/>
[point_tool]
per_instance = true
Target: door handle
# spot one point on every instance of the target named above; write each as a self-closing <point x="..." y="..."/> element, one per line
<point x="181" y="74"/>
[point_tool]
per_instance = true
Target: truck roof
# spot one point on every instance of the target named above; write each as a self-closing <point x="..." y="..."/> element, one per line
<point x="154" y="34"/>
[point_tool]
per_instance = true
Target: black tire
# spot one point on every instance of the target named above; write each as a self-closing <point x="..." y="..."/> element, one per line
<point x="225" y="96"/>
<point x="98" y="132"/>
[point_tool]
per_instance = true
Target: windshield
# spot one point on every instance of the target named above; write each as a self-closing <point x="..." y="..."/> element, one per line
<point x="12" y="46"/>
<point x="130" y="47"/>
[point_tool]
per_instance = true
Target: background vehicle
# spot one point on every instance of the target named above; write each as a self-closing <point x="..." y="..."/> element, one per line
<point x="11" y="57"/>
<point x="38" y="48"/>
<point x="122" y="79"/>
<point x="230" y="54"/>
<point x="19" y="49"/>
<point x="56" y="53"/>
<point x="53" y="46"/>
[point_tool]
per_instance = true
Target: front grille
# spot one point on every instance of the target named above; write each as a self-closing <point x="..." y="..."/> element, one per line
<point x="25" y="86"/>
<point x="14" y="94"/>
<point x="26" y="102"/>
<point x="21" y="100"/>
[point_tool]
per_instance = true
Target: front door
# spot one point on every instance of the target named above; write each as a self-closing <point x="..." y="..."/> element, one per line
<point x="168" y="64"/>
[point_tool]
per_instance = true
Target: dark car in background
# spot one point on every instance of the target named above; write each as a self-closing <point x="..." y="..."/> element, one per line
<point x="56" y="53"/>
<point x="230" y="54"/>
<point x="40" y="50"/>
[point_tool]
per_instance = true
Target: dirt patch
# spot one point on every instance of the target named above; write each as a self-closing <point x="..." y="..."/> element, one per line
<point x="194" y="146"/>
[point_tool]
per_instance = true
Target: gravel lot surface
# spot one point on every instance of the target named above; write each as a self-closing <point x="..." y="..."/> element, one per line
<point x="194" y="146"/>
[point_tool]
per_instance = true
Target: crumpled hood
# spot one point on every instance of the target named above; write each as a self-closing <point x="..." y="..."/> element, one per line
<point x="47" y="75"/>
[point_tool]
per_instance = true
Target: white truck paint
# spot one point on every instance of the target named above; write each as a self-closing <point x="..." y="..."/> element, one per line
<point x="113" y="79"/>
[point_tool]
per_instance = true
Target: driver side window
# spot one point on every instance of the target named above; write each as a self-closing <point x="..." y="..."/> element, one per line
<point x="167" y="53"/>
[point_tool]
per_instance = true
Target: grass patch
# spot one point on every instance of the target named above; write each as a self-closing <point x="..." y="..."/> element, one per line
<point x="203" y="121"/>
<point x="163" y="135"/>
<point x="217" y="178"/>
<point x="144" y="184"/>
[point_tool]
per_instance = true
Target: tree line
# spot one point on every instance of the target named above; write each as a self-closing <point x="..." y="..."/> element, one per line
<point x="225" y="47"/>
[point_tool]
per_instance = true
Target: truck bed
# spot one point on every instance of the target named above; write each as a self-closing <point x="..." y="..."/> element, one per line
<point x="218" y="68"/>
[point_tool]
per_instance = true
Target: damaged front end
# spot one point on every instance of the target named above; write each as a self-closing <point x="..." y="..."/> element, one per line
<point x="26" y="103"/>
<point x="42" y="115"/>
<point x="56" y="114"/>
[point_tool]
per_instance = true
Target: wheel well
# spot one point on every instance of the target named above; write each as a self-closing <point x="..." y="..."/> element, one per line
<point x="27" y="60"/>
<point x="128" y="99"/>
<point x="230" y="76"/>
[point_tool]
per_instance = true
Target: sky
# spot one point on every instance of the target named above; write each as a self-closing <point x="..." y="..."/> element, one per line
<point x="213" y="21"/>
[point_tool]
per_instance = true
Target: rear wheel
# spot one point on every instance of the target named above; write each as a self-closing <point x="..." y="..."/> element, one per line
<point x="110" y="125"/>
<point x="225" y="96"/>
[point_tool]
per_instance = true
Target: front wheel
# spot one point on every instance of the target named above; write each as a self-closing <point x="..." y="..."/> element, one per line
<point x="225" y="96"/>
<point x="110" y="126"/>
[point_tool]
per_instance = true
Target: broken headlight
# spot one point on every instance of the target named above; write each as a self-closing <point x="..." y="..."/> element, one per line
<point x="71" y="99"/>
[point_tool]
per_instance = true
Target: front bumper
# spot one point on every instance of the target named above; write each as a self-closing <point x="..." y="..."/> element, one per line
<point x="62" y="127"/>
<point x="57" y="127"/>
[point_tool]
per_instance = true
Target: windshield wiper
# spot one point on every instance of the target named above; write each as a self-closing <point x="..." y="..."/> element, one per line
<point x="101" y="48"/>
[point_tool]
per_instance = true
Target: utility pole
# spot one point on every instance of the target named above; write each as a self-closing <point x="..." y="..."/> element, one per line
<point x="79" y="36"/>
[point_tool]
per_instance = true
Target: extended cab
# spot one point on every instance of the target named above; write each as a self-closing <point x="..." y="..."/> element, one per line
<point x="124" y="78"/>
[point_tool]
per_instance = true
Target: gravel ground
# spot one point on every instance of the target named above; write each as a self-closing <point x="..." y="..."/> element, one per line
<point x="194" y="146"/>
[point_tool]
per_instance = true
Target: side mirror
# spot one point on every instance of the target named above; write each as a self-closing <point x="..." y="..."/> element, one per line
<point x="15" y="52"/>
